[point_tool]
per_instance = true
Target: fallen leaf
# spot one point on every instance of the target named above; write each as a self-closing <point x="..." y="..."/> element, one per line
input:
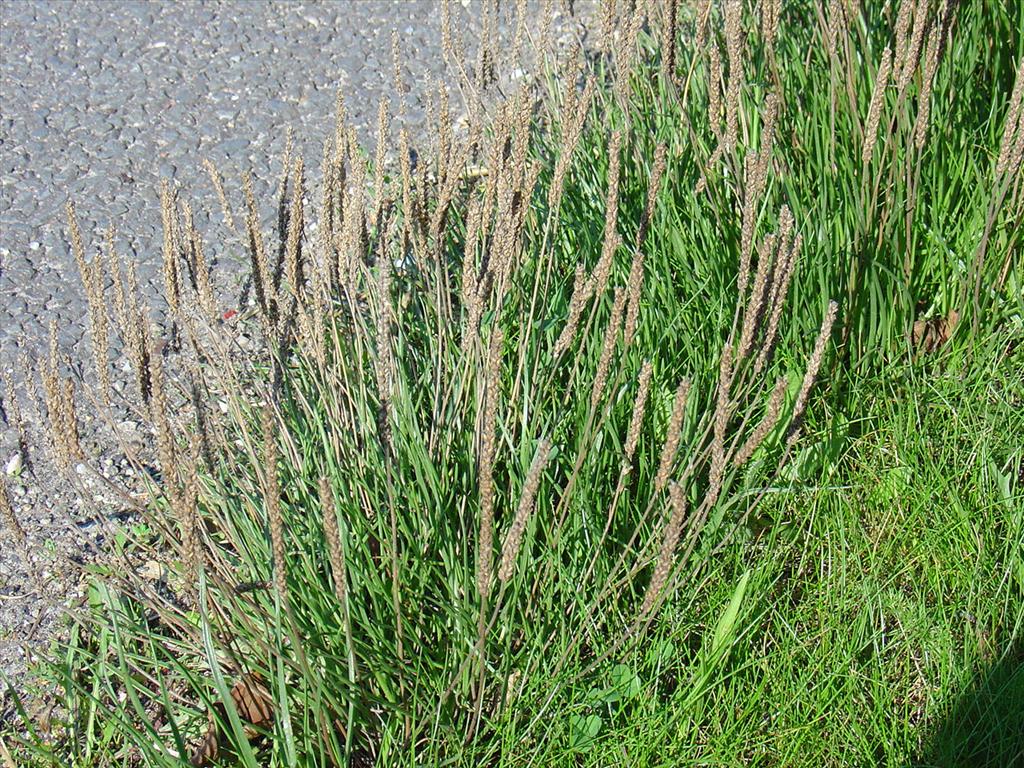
<point x="254" y="706"/>
<point x="929" y="335"/>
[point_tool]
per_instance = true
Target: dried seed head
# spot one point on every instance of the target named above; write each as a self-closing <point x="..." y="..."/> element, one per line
<point x="766" y="425"/>
<point x="734" y="48"/>
<point x="904" y="16"/>
<point x="514" y="537"/>
<point x="77" y="246"/>
<point x="7" y="514"/>
<point x="71" y="421"/>
<point x="812" y="372"/>
<point x="1013" y="128"/>
<point x="836" y="26"/>
<point x="171" y="248"/>
<point x="603" y="268"/>
<point x="582" y="289"/>
<point x="488" y="445"/>
<point x="770" y="12"/>
<point x="636" y="421"/>
<point x="611" y="334"/>
<point x="702" y="13"/>
<point x="333" y="538"/>
<point x="672" y="435"/>
<point x="912" y="54"/>
<point x="200" y="268"/>
<point x="16" y="421"/>
<point x="574" y="114"/>
<point x="633" y="290"/>
<point x="924" y="101"/>
<point x="669" y="36"/>
<point x="262" y="280"/>
<point x="158" y="412"/>
<point x="715" y="90"/>
<point x="666" y="554"/>
<point x="293" y="248"/>
<point x="753" y="313"/>
<point x="222" y="198"/>
<point x="875" y="109"/>
<point x="607" y="25"/>
<point x="625" y="54"/>
<point x="785" y="262"/>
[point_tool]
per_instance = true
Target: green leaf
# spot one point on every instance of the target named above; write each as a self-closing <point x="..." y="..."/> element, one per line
<point x="727" y="624"/>
<point x="583" y="730"/>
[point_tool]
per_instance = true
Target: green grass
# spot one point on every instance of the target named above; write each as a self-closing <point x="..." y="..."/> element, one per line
<point x="857" y="599"/>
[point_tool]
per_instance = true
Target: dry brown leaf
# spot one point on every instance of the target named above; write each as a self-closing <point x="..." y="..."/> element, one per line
<point x="254" y="706"/>
<point x="929" y="335"/>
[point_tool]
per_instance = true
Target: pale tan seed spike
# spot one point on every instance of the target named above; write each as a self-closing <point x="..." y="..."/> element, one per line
<point x="158" y="414"/>
<point x="771" y="10"/>
<point x="546" y="17"/>
<point x="611" y="335"/>
<point x="582" y="289"/>
<point x="261" y="277"/>
<point x="332" y="536"/>
<point x="384" y="364"/>
<point x="734" y="49"/>
<point x="59" y="398"/>
<point x="603" y="268"/>
<point x="669" y="37"/>
<point x="673" y="435"/>
<point x="701" y="13"/>
<point x="381" y="154"/>
<point x="904" y="16"/>
<point x="7" y="514"/>
<point x="71" y="420"/>
<point x="1014" y="114"/>
<point x="753" y="313"/>
<point x="222" y="198"/>
<point x="931" y="65"/>
<point x="172" y="280"/>
<point x="786" y="259"/>
<point x="836" y="26"/>
<point x="520" y="33"/>
<point x="292" y="254"/>
<point x="633" y="295"/>
<point x="636" y="421"/>
<point x="514" y="538"/>
<point x="607" y="26"/>
<point x="99" y="329"/>
<point x="625" y="54"/>
<point x="913" y="52"/>
<point x="812" y="372"/>
<point x="575" y="116"/>
<point x="488" y="446"/>
<point x="875" y="109"/>
<point x="16" y="420"/>
<point x="765" y="426"/>
<point x="666" y="554"/>
<point x="204" y="288"/>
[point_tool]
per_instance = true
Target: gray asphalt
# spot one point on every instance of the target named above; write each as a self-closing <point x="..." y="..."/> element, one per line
<point x="101" y="100"/>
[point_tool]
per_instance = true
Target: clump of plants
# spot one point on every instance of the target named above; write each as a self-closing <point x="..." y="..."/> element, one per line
<point x="512" y="413"/>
